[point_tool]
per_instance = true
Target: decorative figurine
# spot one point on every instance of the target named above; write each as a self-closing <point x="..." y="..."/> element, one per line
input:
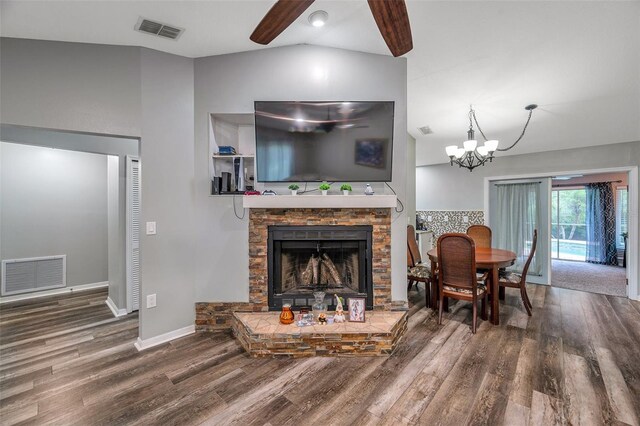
<point x="368" y="190"/>
<point x="339" y="316"/>
<point x="322" y="318"/>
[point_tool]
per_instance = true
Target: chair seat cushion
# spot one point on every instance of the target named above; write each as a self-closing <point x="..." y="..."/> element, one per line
<point x="481" y="289"/>
<point x="420" y="271"/>
<point x="511" y="277"/>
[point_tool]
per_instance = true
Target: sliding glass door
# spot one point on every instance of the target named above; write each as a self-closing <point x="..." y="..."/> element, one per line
<point x="568" y="224"/>
<point x="516" y="208"/>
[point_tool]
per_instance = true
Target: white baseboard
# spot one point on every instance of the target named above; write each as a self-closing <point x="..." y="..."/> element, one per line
<point x="53" y="292"/>
<point x="141" y="345"/>
<point x="116" y="312"/>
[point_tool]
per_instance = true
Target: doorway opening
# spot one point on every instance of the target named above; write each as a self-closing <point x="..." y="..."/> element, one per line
<point x="589" y="229"/>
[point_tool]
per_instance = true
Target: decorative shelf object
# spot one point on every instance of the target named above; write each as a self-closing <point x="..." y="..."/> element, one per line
<point x="318" y="201"/>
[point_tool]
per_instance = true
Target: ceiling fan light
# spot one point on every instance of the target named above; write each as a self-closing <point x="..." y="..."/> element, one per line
<point x="318" y="18"/>
<point x="451" y="150"/>
<point x="470" y="145"/>
<point x="491" y="145"/>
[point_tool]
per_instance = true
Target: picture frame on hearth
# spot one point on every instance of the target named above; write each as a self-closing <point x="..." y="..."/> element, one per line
<point x="357" y="306"/>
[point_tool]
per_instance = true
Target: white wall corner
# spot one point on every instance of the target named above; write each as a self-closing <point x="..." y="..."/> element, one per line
<point x="114" y="309"/>
<point x="141" y="345"/>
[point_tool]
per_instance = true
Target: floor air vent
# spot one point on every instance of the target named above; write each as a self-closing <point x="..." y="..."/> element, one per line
<point x="34" y="274"/>
<point x="157" y="28"/>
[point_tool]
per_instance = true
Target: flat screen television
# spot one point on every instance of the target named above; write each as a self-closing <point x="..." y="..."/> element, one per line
<point x="324" y="141"/>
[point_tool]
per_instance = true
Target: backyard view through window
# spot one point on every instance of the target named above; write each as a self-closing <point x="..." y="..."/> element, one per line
<point x="568" y="224"/>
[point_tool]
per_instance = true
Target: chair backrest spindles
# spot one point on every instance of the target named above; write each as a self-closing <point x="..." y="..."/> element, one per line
<point x="534" y="243"/>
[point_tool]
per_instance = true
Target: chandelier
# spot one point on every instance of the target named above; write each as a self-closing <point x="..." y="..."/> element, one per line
<point x="471" y="155"/>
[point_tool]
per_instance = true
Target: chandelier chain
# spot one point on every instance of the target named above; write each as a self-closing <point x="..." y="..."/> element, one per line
<point x="524" y="129"/>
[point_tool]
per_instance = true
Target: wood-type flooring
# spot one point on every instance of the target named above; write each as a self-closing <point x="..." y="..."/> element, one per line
<point x="67" y="361"/>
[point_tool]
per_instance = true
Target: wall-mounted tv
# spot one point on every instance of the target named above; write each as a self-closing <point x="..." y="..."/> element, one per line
<point x="324" y="141"/>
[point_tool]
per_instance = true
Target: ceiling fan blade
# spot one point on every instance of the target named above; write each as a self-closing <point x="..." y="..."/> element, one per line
<point x="278" y="18"/>
<point x="393" y="22"/>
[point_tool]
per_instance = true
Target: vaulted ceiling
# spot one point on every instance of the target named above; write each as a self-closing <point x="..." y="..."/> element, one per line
<point x="579" y="61"/>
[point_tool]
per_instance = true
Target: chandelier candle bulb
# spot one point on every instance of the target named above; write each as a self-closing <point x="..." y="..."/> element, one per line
<point x="470" y="145"/>
<point x="491" y="145"/>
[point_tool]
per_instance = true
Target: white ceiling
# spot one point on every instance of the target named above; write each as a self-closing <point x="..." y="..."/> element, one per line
<point x="579" y="61"/>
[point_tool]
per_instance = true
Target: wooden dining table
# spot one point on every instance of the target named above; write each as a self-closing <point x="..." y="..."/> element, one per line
<point x="491" y="259"/>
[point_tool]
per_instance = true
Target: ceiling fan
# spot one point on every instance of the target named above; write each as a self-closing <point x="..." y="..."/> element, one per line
<point x="390" y="16"/>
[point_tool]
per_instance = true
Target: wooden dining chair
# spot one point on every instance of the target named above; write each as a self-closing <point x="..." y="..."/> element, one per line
<point x="515" y="280"/>
<point x="416" y="270"/>
<point x="481" y="235"/>
<point x="457" y="277"/>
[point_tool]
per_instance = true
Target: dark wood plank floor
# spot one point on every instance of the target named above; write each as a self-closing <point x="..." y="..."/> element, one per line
<point x="66" y="360"/>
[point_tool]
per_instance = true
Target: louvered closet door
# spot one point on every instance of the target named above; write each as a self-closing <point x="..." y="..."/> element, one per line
<point x="133" y="234"/>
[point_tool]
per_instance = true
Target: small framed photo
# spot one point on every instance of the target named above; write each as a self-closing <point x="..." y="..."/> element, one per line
<point x="357" y="307"/>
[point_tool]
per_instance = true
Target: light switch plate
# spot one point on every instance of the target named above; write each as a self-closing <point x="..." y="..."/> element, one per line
<point x="446" y="218"/>
<point x="151" y="228"/>
<point x="429" y="218"/>
<point x="465" y="219"/>
<point x="151" y="301"/>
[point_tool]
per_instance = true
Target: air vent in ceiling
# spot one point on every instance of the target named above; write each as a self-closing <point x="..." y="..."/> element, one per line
<point x="158" y="28"/>
<point x="425" y="130"/>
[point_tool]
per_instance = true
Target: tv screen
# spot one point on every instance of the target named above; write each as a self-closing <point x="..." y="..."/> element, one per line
<point x="324" y="141"/>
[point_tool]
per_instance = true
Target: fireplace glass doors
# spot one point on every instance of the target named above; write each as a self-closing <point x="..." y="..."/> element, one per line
<point x="305" y="259"/>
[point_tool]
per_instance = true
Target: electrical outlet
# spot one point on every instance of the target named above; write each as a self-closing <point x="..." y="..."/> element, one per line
<point x="151" y="228"/>
<point x="151" y="301"/>
<point x="429" y="218"/>
<point x="465" y="219"/>
<point x="446" y="218"/>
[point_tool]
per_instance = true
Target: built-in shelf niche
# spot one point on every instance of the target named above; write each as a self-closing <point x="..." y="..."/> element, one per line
<point x="236" y="130"/>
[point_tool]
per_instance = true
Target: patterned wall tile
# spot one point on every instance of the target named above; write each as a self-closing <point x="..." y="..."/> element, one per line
<point x="443" y="221"/>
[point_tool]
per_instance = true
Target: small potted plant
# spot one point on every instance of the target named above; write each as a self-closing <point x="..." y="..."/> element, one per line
<point x="324" y="187"/>
<point x="345" y="188"/>
<point x="294" y="188"/>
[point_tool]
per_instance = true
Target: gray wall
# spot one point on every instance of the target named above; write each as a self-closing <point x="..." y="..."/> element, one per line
<point x="442" y="187"/>
<point x="167" y="156"/>
<point x="98" y="89"/>
<point x="55" y="202"/>
<point x="230" y="84"/>
<point x="70" y="86"/>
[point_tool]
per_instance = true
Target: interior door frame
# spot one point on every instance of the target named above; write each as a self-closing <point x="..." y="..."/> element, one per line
<point x="633" y="289"/>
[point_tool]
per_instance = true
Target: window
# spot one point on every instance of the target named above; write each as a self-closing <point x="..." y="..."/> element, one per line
<point x="622" y="214"/>
<point x="568" y="224"/>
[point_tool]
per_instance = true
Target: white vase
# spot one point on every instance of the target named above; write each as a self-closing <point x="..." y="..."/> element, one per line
<point x="345" y="192"/>
<point x="324" y="191"/>
<point x="294" y="192"/>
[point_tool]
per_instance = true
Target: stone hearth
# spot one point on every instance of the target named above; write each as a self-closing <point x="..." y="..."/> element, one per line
<point x="262" y="335"/>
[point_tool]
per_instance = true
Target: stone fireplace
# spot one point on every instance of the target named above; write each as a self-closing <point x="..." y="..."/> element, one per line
<point x="304" y="259"/>
<point x="218" y="315"/>
<point x="328" y="253"/>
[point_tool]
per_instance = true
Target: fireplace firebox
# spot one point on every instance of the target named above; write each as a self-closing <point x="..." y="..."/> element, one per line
<point x="305" y="259"/>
